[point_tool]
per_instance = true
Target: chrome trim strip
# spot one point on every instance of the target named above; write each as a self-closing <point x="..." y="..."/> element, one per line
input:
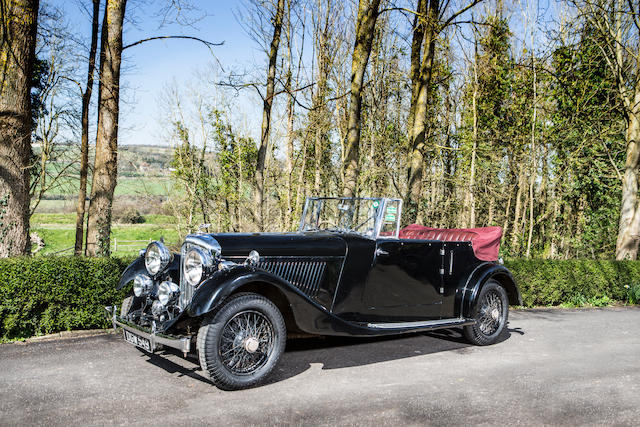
<point x="456" y="321"/>
<point x="450" y="262"/>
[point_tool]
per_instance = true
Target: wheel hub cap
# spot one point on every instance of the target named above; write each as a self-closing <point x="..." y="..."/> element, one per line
<point x="251" y="344"/>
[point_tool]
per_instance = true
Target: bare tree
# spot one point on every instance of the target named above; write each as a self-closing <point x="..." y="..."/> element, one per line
<point x="430" y="21"/>
<point x="54" y="108"/>
<point x="17" y="55"/>
<point x="267" y="103"/>
<point x="84" y="145"/>
<point x="368" y="11"/>
<point x="105" y="165"/>
<point x="424" y="34"/>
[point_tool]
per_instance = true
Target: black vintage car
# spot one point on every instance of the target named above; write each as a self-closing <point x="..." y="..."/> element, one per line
<point x="349" y="270"/>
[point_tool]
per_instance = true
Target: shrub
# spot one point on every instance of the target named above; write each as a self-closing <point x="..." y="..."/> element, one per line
<point x="129" y="216"/>
<point x="633" y="293"/>
<point x="50" y="294"/>
<point x="573" y="282"/>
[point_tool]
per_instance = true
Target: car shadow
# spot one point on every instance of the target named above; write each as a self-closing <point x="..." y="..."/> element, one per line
<point x="334" y="352"/>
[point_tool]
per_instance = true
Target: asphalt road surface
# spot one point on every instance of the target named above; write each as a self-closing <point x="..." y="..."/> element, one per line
<point x="556" y="367"/>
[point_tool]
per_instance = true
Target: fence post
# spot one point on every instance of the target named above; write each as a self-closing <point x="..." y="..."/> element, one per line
<point x="115" y="245"/>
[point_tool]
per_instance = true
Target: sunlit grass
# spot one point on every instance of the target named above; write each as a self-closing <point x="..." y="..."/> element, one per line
<point x="58" y="232"/>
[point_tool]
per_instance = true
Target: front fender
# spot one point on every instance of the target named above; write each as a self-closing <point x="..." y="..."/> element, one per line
<point x="136" y="267"/>
<point x="477" y="279"/>
<point x="221" y="284"/>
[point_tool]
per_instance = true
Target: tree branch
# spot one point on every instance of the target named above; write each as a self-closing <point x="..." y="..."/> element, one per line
<point x="205" y="42"/>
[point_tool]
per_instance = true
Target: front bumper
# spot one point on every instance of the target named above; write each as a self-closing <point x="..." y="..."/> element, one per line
<point x="181" y="343"/>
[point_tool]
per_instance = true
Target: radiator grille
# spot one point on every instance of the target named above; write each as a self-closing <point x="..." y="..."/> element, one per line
<point x="304" y="275"/>
<point x="186" y="290"/>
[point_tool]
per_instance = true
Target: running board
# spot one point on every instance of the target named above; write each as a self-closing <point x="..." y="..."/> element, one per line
<point x="428" y="324"/>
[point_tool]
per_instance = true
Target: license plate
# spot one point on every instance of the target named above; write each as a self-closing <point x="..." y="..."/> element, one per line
<point x="137" y="341"/>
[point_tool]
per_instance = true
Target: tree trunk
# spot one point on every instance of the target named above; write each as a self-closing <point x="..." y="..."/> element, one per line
<point x="319" y="112"/>
<point x="365" y="29"/>
<point x="266" y="115"/>
<point x="505" y="225"/>
<point x="417" y="130"/>
<point x="289" y="159"/>
<point x="515" y="231"/>
<point x="416" y="54"/>
<point x="105" y="165"/>
<point x="17" y="55"/>
<point x="471" y="202"/>
<point x="629" y="227"/>
<point x="84" y="144"/>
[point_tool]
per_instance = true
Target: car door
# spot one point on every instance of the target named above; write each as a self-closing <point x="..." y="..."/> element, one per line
<point x="404" y="282"/>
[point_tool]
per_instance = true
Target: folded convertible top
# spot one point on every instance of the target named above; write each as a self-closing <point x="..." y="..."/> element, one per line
<point x="485" y="240"/>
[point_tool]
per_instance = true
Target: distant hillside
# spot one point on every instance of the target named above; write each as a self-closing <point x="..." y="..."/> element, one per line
<point x="143" y="172"/>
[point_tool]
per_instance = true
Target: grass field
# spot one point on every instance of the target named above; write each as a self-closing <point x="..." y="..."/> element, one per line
<point x="144" y="183"/>
<point x="58" y="232"/>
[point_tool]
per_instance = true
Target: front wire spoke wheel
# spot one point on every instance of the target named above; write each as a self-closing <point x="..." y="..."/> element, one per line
<point x="250" y="335"/>
<point x="242" y="341"/>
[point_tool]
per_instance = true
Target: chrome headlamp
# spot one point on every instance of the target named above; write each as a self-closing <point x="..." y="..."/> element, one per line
<point x="194" y="264"/>
<point x="156" y="258"/>
<point x="167" y="292"/>
<point x="142" y="285"/>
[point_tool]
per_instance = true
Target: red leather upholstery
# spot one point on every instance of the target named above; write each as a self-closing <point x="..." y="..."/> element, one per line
<point x="446" y="235"/>
<point x="485" y="241"/>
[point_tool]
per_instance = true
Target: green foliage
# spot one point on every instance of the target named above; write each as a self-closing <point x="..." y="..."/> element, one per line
<point x="50" y="294"/>
<point x="580" y="300"/>
<point x="587" y="138"/>
<point x="237" y="157"/>
<point x="574" y="283"/>
<point x="633" y="293"/>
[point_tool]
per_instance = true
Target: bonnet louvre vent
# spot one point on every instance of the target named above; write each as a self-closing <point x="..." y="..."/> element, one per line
<point x="304" y="275"/>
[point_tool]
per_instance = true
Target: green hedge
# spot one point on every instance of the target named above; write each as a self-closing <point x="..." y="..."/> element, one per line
<point x="553" y="282"/>
<point x="42" y="295"/>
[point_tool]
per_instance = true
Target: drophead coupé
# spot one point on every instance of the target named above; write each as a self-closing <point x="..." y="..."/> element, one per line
<point x="349" y="270"/>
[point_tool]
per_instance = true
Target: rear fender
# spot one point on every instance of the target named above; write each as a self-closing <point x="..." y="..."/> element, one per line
<point x="478" y="278"/>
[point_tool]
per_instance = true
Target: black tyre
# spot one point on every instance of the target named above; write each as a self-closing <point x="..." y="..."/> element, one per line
<point x="491" y="314"/>
<point x="241" y="343"/>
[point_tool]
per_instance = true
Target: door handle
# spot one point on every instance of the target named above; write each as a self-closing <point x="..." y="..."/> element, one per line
<point x="381" y="252"/>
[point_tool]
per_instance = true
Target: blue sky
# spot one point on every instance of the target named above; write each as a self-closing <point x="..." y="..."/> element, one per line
<point x="152" y="66"/>
<point x="148" y="68"/>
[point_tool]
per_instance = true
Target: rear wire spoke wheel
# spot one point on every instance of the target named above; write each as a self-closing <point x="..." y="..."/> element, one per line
<point x="491" y="314"/>
<point x="241" y="343"/>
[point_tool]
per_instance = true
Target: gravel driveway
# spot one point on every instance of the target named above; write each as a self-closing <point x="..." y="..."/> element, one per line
<point x="556" y="367"/>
